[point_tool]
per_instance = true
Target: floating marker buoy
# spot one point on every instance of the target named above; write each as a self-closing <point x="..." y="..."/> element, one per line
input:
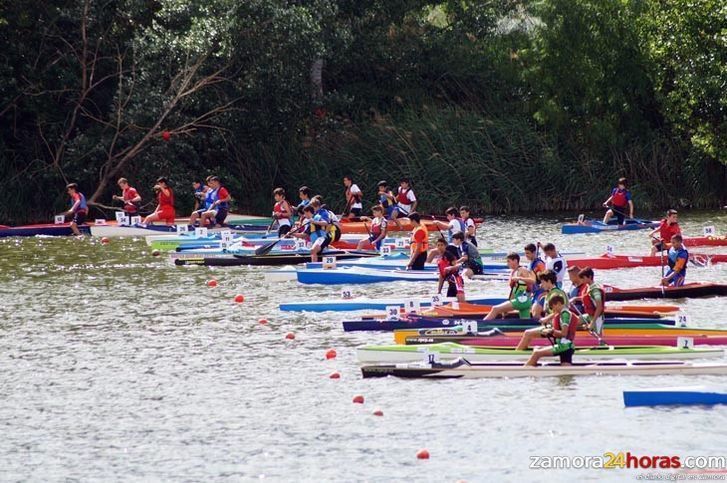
<point x="378" y="412"/>
<point x="156" y="253"/>
<point x="335" y="375"/>
<point x="105" y="241"/>
<point x="290" y="336"/>
<point x="423" y="454"/>
<point x="359" y="399"/>
<point x="263" y="321"/>
<point x="331" y="354"/>
<point x="212" y="283"/>
<point x="239" y="298"/>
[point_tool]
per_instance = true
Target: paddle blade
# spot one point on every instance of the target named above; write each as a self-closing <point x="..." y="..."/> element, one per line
<point x="265" y="249"/>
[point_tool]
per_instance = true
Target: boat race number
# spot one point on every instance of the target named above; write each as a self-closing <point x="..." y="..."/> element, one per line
<point x="385" y="251"/>
<point x="392" y="312"/>
<point x="609" y="249"/>
<point x="400" y="243"/>
<point x="329" y="262"/>
<point x="182" y="229"/>
<point x="200" y="232"/>
<point x="346" y="294"/>
<point x="135" y="220"/>
<point x="411" y="306"/>
<point x="469" y="326"/>
<point x="226" y="236"/>
<point x="120" y="216"/>
<point x="685" y="343"/>
<point x="299" y="244"/>
<point x="99" y="221"/>
<point x="429" y="356"/>
<point x="437" y="300"/>
<point x="709" y="231"/>
<point x="683" y="320"/>
<point x="59" y="219"/>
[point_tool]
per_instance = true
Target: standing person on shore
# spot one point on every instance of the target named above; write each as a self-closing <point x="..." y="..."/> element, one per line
<point x="353" y="196"/>
<point x="406" y="202"/>
<point x="419" y="243"/>
<point x="165" y="203"/>
<point x="469" y="223"/>
<point x="618" y="203"/>
<point x="79" y="208"/>
<point x="130" y="197"/>
<point x="282" y="212"/>
<point x="677" y="258"/>
<point x="668" y="227"/>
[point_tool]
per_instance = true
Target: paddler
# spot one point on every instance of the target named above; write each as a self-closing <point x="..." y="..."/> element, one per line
<point x="200" y="190"/>
<point x="316" y="231"/>
<point x="386" y="199"/>
<point x="620" y="203"/>
<point x="378" y="229"/>
<point x="305" y="194"/>
<point x="353" y="196"/>
<point x="449" y="271"/>
<point x="207" y="200"/>
<point x="129" y="196"/>
<point x="282" y="212"/>
<point x="221" y="199"/>
<point x="668" y="227"/>
<point x="547" y="281"/>
<point x="79" y="208"/>
<point x="677" y="258"/>
<point x="593" y="298"/>
<point x="440" y="246"/>
<point x="454" y="223"/>
<point x="576" y="287"/>
<point x="471" y="226"/>
<point x="406" y="202"/>
<point x="562" y="334"/>
<point x="469" y="256"/>
<point x="537" y="266"/>
<point x="419" y="243"/>
<point x="334" y="224"/>
<point x="165" y="203"/>
<point x="520" y="279"/>
<point x="555" y="262"/>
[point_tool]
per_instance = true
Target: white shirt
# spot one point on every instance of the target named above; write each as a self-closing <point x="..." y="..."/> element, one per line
<point x="355" y="190"/>
<point x="558" y="265"/>
<point x="454" y="227"/>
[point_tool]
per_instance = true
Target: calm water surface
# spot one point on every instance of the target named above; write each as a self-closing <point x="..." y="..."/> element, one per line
<point x="115" y="365"/>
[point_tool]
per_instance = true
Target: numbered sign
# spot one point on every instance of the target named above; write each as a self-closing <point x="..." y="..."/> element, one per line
<point x="120" y="216"/>
<point x="124" y="220"/>
<point x="224" y="245"/>
<point x="385" y="250"/>
<point x="392" y="312"/>
<point x="346" y="294"/>
<point x="300" y="244"/>
<point x="329" y="262"/>
<point x="609" y="250"/>
<point x="682" y="320"/>
<point x="581" y="218"/>
<point x="400" y="243"/>
<point x="429" y="357"/>
<point x="469" y="326"/>
<point x="59" y="219"/>
<point x="226" y="236"/>
<point x="437" y="300"/>
<point x="709" y="231"/>
<point x="135" y="220"/>
<point x="182" y="229"/>
<point x="200" y="232"/>
<point x="411" y="306"/>
<point x="685" y="343"/>
<point x="99" y="221"/>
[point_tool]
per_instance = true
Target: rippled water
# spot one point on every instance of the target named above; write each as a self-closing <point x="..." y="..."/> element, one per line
<point x="115" y="365"/>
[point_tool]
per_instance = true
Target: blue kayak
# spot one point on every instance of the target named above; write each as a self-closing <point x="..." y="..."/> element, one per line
<point x="395" y="261"/>
<point x="365" y="303"/>
<point x="361" y="275"/>
<point x="673" y="397"/>
<point x="597" y="226"/>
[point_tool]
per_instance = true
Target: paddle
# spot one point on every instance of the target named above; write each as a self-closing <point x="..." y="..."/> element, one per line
<point x="661" y="254"/>
<point x="265" y="249"/>
<point x="436" y="224"/>
<point x="590" y="331"/>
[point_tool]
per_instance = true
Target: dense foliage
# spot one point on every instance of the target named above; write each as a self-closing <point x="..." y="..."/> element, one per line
<point x="505" y="105"/>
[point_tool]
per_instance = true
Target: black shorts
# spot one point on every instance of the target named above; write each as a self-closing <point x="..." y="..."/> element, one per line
<point x="452" y="290"/>
<point x="79" y="218"/>
<point x="472" y="240"/>
<point x="660" y="246"/>
<point x="356" y="211"/>
<point x="419" y="261"/>
<point x="476" y="268"/>
<point x="326" y="242"/>
<point x="567" y="356"/>
<point x="620" y="212"/>
<point x="220" y="216"/>
<point x="283" y="230"/>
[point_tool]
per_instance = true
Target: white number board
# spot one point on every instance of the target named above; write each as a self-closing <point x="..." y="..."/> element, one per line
<point x="436" y="300"/>
<point x="346" y="294"/>
<point x="329" y="262"/>
<point x="412" y="306"/>
<point x="709" y="231"/>
<point x="385" y="250"/>
<point x="59" y="219"/>
<point x="99" y="221"/>
<point x="200" y="232"/>
<point x="392" y="312"/>
<point x="182" y="229"/>
<point x="135" y="220"/>
<point x="226" y="236"/>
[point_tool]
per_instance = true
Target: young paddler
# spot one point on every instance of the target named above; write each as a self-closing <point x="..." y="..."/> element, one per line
<point x="542" y="306"/>
<point x="520" y="280"/>
<point x="217" y="212"/>
<point x="419" y="243"/>
<point x="677" y="258"/>
<point x="377" y="230"/>
<point x="619" y="203"/>
<point x="562" y="334"/>
<point x="353" y="196"/>
<point x="440" y="246"/>
<point x="79" y="208"/>
<point x="449" y="271"/>
<point x="130" y="197"/>
<point x="406" y="202"/>
<point x="471" y="226"/>
<point x="593" y="299"/>
<point x="454" y="223"/>
<point x="165" y="203"/>
<point x="555" y="262"/>
<point x="576" y="287"/>
<point x="469" y="256"/>
<point x="668" y="227"/>
<point x="315" y="231"/>
<point x="386" y="199"/>
<point x="282" y="212"/>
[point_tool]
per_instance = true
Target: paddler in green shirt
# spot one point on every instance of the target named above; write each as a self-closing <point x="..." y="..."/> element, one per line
<point x="562" y="334"/>
<point x="543" y="307"/>
<point x="521" y="279"/>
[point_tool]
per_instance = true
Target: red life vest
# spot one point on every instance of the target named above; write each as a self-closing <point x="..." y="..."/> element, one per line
<point x="572" y="326"/>
<point x="377" y="228"/>
<point x="619" y="198"/>
<point x="666" y="231"/>
<point x="402" y="197"/>
<point x="278" y="210"/>
<point x="589" y="305"/>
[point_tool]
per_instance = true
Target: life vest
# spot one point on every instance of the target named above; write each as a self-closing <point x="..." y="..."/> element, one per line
<point x="356" y="196"/>
<point x="166" y="199"/>
<point x="558" y="265"/>
<point x="552" y="293"/>
<point x="384" y="200"/>
<point x="403" y="196"/>
<point x="674" y="256"/>
<point x="517" y="287"/>
<point x="315" y="232"/>
<point x="589" y="305"/>
<point x="572" y="325"/>
<point x="619" y="197"/>
<point x="425" y="243"/>
<point x="666" y="231"/>
<point x="377" y="227"/>
<point x="128" y="195"/>
<point x="209" y="198"/>
<point x="223" y="205"/>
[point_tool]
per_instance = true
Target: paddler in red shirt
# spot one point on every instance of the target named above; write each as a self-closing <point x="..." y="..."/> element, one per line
<point x="668" y="228"/>
<point x="165" y="203"/>
<point x="449" y="271"/>
<point x="130" y="197"/>
<point x="618" y="203"/>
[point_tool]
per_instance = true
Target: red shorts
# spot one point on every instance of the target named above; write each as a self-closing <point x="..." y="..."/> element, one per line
<point x="167" y="214"/>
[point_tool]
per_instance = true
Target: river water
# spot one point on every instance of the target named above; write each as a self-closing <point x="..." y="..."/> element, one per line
<point x="115" y="365"/>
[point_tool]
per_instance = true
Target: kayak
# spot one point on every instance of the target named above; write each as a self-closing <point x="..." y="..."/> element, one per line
<point x="111" y="229"/>
<point x="597" y="226"/>
<point x="509" y="325"/>
<point x="47" y="229"/>
<point x="469" y="310"/>
<point x="400" y="336"/>
<point x="499" y="339"/>
<point x="451" y="350"/>
<point x="675" y="396"/>
<point x="690" y="290"/>
<point x="606" y="262"/>
<point x="248" y="240"/>
<point x="461" y="368"/>
<point x="395" y="261"/>
<point x="706" y="241"/>
<point x="260" y="260"/>
<point x="361" y="275"/>
<point x="366" y="303"/>
<point x="406" y="226"/>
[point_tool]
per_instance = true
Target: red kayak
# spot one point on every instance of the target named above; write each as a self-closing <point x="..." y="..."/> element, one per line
<point x="583" y="340"/>
<point x="606" y="262"/>
<point x="706" y="241"/>
<point x="689" y="290"/>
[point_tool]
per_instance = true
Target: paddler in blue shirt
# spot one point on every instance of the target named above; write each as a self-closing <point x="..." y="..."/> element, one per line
<point x="316" y="231"/>
<point x="469" y="256"/>
<point x="576" y="288"/>
<point x="677" y="258"/>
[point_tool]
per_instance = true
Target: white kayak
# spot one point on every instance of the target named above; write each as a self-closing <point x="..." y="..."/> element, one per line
<point x="361" y="275"/>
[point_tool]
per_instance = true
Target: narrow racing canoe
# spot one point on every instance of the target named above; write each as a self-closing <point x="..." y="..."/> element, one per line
<point x="499" y="339"/>
<point x="706" y="241"/>
<point x="674" y="396"/>
<point x="361" y="275"/>
<point x="690" y="290"/>
<point x="597" y="226"/>
<point x="47" y="229"/>
<point x="367" y="303"/>
<point x="264" y="260"/>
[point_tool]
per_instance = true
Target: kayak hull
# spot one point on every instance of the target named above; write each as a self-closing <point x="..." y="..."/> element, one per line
<point x="673" y="397"/>
<point x="62" y="229"/>
<point x="263" y="260"/>
<point x="691" y="290"/>
<point x="597" y="226"/>
<point x="512" y="340"/>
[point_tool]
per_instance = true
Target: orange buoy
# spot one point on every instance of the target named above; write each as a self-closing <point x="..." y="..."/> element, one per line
<point x="156" y="253"/>
<point x="212" y="283"/>
<point x="331" y="354"/>
<point x="359" y="399"/>
<point x="290" y="336"/>
<point x="423" y="454"/>
<point x="378" y="412"/>
<point x="105" y="241"/>
<point x="335" y="375"/>
<point x="263" y="321"/>
<point x="239" y="298"/>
